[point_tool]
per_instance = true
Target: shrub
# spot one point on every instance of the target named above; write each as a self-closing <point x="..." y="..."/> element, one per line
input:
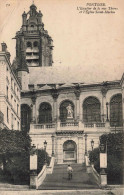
<point x="114" y="157"/>
<point x="42" y="155"/>
<point x="15" y="149"/>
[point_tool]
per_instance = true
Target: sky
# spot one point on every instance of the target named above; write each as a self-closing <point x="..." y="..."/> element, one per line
<point x="87" y="47"/>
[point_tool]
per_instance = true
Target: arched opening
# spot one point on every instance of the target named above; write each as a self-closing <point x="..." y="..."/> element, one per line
<point x="66" y="107"/>
<point x="69" y="151"/>
<point x="29" y="44"/>
<point x="116" y="111"/>
<point x="35" y="44"/>
<point x="25" y="117"/>
<point x="91" y="110"/>
<point x="45" y="113"/>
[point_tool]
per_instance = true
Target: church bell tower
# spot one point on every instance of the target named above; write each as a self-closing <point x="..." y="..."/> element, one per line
<point x="33" y="44"/>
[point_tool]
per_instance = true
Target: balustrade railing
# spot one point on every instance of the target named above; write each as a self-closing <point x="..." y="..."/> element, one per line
<point x="92" y="125"/>
<point x="100" y="124"/>
<point x="89" y="125"/>
<point x="44" y="126"/>
<point x="66" y="124"/>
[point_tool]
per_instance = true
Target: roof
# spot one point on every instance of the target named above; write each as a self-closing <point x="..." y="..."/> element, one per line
<point x="49" y="75"/>
<point x="57" y="75"/>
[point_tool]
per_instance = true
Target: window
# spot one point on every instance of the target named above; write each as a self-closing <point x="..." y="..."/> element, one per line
<point x="17" y="108"/>
<point x="35" y="44"/>
<point x="91" y="110"/>
<point x="29" y="44"/>
<point x="7" y="92"/>
<point x="7" y="114"/>
<point x="15" y="104"/>
<point x="45" y="113"/>
<point x="11" y="83"/>
<point x="12" y="100"/>
<point x="14" y="87"/>
<point x="17" y="125"/>
<point x="25" y="117"/>
<point x="116" y="111"/>
<point x="12" y="121"/>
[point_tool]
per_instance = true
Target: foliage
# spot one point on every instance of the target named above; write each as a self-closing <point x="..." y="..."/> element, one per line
<point x="94" y="158"/>
<point x="114" y="144"/>
<point x="15" y="149"/>
<point x="42" y="155"/>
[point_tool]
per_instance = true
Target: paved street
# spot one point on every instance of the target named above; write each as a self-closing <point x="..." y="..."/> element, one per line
<point x="116" y="191"/>
<point x="59" y="179"/>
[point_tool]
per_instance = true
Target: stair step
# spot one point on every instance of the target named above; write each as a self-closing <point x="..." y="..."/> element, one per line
<point x="59" y="178"/>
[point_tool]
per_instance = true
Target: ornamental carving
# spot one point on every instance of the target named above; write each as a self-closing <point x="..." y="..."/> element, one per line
<point x="33" y="98"/>
<point x="77" y="92"/>
<point x="55" y="94"/>
<point x="104" y="91"/>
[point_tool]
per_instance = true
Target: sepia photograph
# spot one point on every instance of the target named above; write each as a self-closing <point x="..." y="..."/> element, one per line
<point x="62" y="97"/>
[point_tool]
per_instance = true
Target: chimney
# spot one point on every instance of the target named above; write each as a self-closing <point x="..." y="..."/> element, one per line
<point x="4" y="47"/>
<point x="8" y="55"/>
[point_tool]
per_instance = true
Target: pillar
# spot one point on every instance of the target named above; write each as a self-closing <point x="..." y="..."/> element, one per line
<point x="52" y="145"/>
<point x="104" y="111"/>
<point x="80" y="152"/>
<point x="33" y="109"/>
<point x="85" y="143"/>
<point x="55" y="97"/>
<point x="77" y="94"/>
<point x="33" y="169"/>
<point x="103" y="164"/>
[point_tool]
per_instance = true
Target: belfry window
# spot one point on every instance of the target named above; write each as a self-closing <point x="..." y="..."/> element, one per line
<point x="91" y="110"/>
<point x="29" y="44"/>
<point x="35" y="44"/>
<point x="116" y="111"/>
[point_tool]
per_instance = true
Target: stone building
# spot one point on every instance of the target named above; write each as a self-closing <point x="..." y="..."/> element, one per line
<point x="69" y="116"/>
<point x="10" y="90"/>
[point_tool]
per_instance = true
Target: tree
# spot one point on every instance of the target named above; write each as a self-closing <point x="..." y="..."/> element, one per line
<point x="15" y="149"/>
<point x="114" y="143"/>
<point x="42" y="156"/>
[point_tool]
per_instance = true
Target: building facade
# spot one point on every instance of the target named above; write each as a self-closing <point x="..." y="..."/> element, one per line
<point x="69" y="116"/>
<point x="10" y="89"/>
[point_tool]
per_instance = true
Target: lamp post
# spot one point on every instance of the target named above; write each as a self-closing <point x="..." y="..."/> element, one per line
<point x="115" y="127"/>
<point x="45" y="145"/>
<point x="85" y="143"/>
<point x="92" y="144"/>
<point x="52" y="145"/>
<point x="107" y="119"/>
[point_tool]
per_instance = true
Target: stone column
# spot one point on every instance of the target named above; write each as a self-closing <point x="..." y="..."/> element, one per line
<point x="77" y="111"/>
<point x="85" y="135"/>
<point x="52" y="145"/>
<point x="80" y="156"/>
<point x="34" y="109"/>
<point x="33" y="169"/>
<point x="55" y="97"/>
<point x="103" y="108"/>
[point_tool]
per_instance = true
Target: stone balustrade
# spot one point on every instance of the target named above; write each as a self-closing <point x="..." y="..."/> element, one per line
<point x="53" y="127"/>
<point x="66" y="124"/>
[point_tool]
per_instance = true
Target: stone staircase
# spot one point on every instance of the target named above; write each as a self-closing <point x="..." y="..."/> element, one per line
<point x="58" y="180"/>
